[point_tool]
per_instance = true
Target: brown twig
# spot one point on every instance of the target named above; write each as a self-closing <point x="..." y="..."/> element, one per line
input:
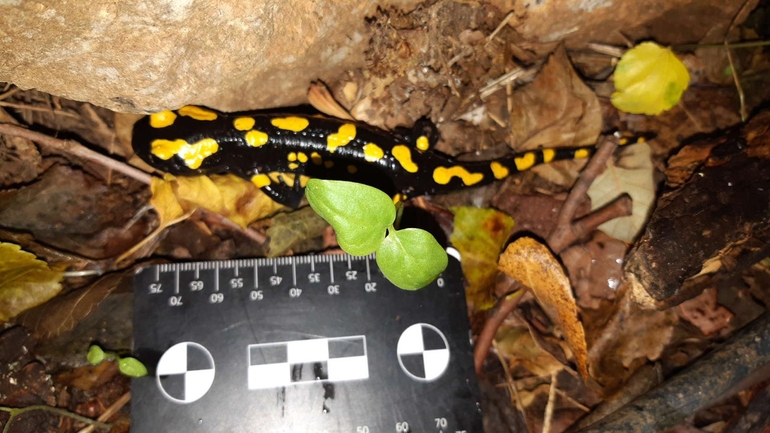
<point x="548" y="416"/>
<point x="620" y="207"/>
<point x="42" y="109"/>
<point x="125" y="398"/>
<point x="74" y="148"/>
<point x="249" y="233"/>
<point x="563" y="231"/>
<point x="484" y="342"/>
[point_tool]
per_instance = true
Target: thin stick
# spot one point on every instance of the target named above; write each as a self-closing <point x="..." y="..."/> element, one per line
<point x="595" y="166"/>
<point x="74" y="148"/>
<point x="500" y="26"/>
<point x="42" y="109"/>
<point x="620" y="207"/>
<point x="487" y="335"/>
<point x="9" y="93"/>
<point x="14" y="412"/>
<point x="125" y="398"/>
<point x="509" y="380"/>
<point x="548" y="417"/>
<point x="737" y="82"/>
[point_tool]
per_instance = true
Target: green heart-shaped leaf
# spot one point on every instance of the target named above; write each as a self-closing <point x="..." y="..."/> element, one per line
<point x="95" y="355"/>
<point x="411" y="258"/>
<point x="359" y="214"/>
<point x="132" y="367"/>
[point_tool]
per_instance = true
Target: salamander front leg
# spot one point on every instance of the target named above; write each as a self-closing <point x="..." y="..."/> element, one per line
<point x="287" y="189"/>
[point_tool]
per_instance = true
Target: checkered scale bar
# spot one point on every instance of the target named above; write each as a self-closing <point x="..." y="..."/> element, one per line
<point x="274" y="365"/>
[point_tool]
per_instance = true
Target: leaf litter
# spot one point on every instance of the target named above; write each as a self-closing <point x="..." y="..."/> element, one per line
<point x="461" y="83"/>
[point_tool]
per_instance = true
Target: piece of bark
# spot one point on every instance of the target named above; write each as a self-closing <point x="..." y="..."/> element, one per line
<point x="727" y="369"/>
<point x="717" y="222"/>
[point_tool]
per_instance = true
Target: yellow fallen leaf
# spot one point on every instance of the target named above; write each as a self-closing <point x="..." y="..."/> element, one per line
<point x="649" y="79"/>
<point x="25" y="281"/>
<point x="479" y="235"/>
<point x="233" y="197"/>
<point x="533" y="265"/>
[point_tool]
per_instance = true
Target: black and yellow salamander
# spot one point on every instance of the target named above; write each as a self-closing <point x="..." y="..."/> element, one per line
<point x="279" y="152"/>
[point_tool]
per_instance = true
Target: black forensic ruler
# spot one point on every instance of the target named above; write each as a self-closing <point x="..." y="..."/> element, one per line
<point x="308" y="344"/>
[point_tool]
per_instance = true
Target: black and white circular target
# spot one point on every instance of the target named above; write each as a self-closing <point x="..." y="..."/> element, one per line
<point x="423" y="352"/>
<point x="185" y="372"/>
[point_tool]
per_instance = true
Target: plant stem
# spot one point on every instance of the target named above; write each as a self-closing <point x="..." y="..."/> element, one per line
<point x="738" y="45"/>
<point x="15" y="411"/>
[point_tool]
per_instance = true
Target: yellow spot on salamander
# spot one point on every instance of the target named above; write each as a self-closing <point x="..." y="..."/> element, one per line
<point x="525" y="161"/>
<point x="197" y="113"/>
<point x="581" y="153"/>
<point x="623" y="141"/>
<point x="293" y="123"/>
<point x="292" y="156"/>
<point x="423" y="143"/>
<point x="404" y="157"/>
<point x="372" y="152"/>
<point x="163" y="119"/>
<point x="192" y="154"/>
<point x="293" y="165"/>
<point x="243" y="123"/>
<point x="548" y="155"/>
<point x="342" y="137"/>
<point x="499" y="170"/>
<point x="260" y="180"/>
<point x="303" y="180"/>
<point x="328" y="164"/>
<point x="165" y="149"/>
<point x="316" y="158"/>
<point x="302" y="157"/>
<point x="276" y="176"/>
<point x="256" y="138"/>
<point x="352" y="169"/>
<point x="443" y="175"/>
<point x="398" y="198"/>
<point x="640" y="140"/>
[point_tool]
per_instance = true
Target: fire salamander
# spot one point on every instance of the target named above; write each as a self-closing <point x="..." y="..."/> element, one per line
<point x="280" y="152"/>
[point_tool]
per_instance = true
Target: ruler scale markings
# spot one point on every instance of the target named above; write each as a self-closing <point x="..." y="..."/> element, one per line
<point x="236" y="270"/>
<point x="331" y="269"/>
<point x="293" y="273"/>
<point x="256" y="276"/>
<point x="368" y="273"/>
<point x="349" y="265"/>
<point x="197" y="271"/>
<point x="176" y="281"/>
<point x="216" y="277"/>
<point x="312" y="264"/>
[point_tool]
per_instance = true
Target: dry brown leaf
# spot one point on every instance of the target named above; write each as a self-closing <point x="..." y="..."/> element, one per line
<point x="322" y="100"/>
<point x="63" y="313"/>
<point x="705" y="312"/>
<point x="556" y="109"/>
<point x="633" y="173"/>
<point x="533" y="265"/>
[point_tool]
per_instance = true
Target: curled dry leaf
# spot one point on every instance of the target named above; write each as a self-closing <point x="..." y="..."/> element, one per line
<point x="633" y="173"/>
<point x="533" y="265"/>
<point x="25" y="281"/>
<point x="479" y="234"/>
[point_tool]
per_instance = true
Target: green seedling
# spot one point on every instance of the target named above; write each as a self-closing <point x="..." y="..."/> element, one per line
<point x="363" y="217"/>
<point x="129" y="366"/>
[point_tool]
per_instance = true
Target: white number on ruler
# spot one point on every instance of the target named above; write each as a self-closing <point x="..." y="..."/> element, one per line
<point x="314" y="277"/>
<point x="156" y="288"/>
<point x="440" y="422"/>
<point x="256" y="295"/>
<point x="216" y="298"/>
<point x="370" y="287"/>
<point x="402" y="427"/>
<point x="334" y="289"/>
<point x="440" y="282"/>
<point x="350" y="275"/>
<point x="236" y="283"/>
<point x="362" y="429"/>
<point x="175" y="301"/>
<point x="196" y="286"/>
<point x="275" y="280"/>
<point x="295" y="292"/>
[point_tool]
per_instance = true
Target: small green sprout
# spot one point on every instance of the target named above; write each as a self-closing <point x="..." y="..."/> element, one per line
<point x="128" y="365"/>
<point x="363" y="217"/>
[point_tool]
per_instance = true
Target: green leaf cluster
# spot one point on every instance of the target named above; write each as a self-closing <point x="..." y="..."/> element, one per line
<point x="129" y="366"/>
<point x="363" y="217"/>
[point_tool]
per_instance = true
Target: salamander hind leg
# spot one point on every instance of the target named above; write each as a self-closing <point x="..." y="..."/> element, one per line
<point x="287" y="189"/>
